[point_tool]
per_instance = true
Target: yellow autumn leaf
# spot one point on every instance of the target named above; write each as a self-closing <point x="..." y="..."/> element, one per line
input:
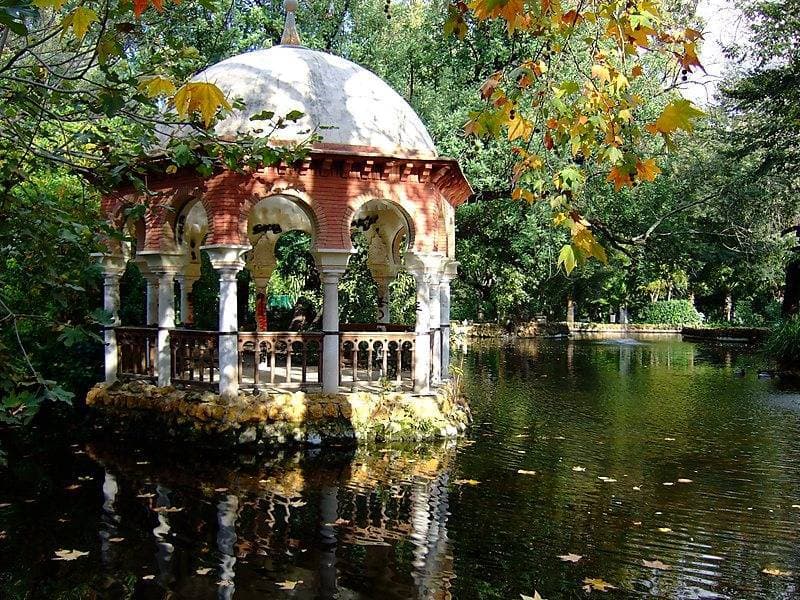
<point x="647" y="170"/>
<point x="522" y="194"/>
<point x="678" y="114"/>
<point x="157" y="86"/>
<point x="79" y="20"/>
<point x="519" y="127"/>
<point x="54" y="4"/>
<point x="567" y="258"/>
<point x="602" y="73"/>
<point x="202" y="97"/>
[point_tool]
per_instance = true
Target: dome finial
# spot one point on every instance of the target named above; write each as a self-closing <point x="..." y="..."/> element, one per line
<point x="290" y="36"/>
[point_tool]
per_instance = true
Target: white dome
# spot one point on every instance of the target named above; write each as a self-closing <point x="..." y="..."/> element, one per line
<point x="359" y="107"/>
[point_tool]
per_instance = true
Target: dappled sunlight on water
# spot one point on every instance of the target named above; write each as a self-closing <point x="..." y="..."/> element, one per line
<point x="661" y="468"/>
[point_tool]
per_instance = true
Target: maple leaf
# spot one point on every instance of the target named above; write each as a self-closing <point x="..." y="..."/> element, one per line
<point x="678" y="114"/>
<point x="647" y="170"/>
<point x="69" y="554"/>
<point x="79" y="20"/>
<point x="620" y="178"/>
<point x="202" y="97"/>
<point x="519" y="127"/>
<point x="288" y="585"/>
<point x="535" y="596"/>
<point x="571" y="557"/>
<point x="567" y="258"/>
<point x="595" y="583"/>
<point x="656" y="564"/>
<point x="139" y="6"/>
<point x="54" y="4"/>
<point x="466" y="482"/>
<point x="157" y="86"/>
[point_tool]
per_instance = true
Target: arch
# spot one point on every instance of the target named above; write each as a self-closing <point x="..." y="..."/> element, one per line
<point x="370" y="204"/>
<point x="267" y="220"/>
<point x="385" y="225"/>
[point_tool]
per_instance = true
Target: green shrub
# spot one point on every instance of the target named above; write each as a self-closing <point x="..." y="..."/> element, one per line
<point x="783" y="342"/>
<point x="670" y="312"/>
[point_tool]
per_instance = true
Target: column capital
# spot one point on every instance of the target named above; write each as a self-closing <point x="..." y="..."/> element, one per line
<point x="227" y="258"/>
<point x="113" y="265"/>
<point x="450" y="271"/>
<point x="161" y="264"/>
<point x="427" y="265"/>
<point x="332" y="260"/>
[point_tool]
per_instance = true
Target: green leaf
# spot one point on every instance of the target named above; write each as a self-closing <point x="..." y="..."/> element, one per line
<point x="567" y="258"/>
<point x="264" y="115"/>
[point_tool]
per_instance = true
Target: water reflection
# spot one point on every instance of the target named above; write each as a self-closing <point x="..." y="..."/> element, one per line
<point x="618" y="453"/>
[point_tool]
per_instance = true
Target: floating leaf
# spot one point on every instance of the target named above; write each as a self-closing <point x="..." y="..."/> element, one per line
<point x="571" y="557"/>
<point x="203" y="571"/>
<point x="116" y="540"/>
<point x="591" y="584"/>
<point x="466" y="482"/>
<point x="288" y="585"/>
<point x="656" y="564"/>
<point x="579" y="469"/>
<point x="684" y="480"/>
<point x="69" y="554"/>
<point x="664" y="529"/>
<point x="525" y="472"/>
<point x="776" y="572"/>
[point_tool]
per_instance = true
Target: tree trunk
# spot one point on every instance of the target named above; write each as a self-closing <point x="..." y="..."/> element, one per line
<point x="791" y="295"/>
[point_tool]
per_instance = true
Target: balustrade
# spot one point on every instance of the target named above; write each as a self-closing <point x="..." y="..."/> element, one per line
<point x="280" y="358"/>
<point x="195" y="357"/>
<point x="137" y="352"/>
<point x="374" y="356"/>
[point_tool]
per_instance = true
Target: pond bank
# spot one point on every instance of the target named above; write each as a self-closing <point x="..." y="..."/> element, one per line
<point x="533" y="329"/>
<point x="269" y="420"/>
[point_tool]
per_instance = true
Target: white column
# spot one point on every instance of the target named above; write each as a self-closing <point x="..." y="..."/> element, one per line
<point x="444" y="315"/>
<point x="151" y="317"/>
<point x="111" y="278"/>
<point x="330" y="328"/>
<point x="228" y="330"/>
<point x="331" y="264"/>
<point x="166" y="322"/>
<point x="435" y="316"/>
<point x="227" y="260"/>
<point x="422" y="343"/>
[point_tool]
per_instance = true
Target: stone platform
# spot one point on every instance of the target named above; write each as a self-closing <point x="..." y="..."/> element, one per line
<point x="269" y="420"/>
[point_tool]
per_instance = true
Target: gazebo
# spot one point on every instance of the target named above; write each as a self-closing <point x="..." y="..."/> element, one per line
<point x="375" y="169"/>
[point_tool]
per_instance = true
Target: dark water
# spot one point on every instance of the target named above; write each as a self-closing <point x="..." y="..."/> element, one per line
<point x="599" y="429"/>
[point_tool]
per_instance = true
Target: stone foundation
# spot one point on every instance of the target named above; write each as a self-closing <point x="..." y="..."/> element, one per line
<point x="278" y="419"/>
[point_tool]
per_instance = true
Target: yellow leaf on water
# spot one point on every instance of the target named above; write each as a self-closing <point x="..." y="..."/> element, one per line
<point x="288" y="585"/>
<point x="571" y="557"/>
<point x="466" y="482"/>
<point x="684" y="480"/>
<point x="69" y="554"/>
<point x="578" y="469"/>
<point x="525" y="472"/>
<point x="591" y="584"/>
<point x="776" y="572"/>
<point x="203" y="571"/>
<point x="202" y="97"/>
<point x="664" y="529"/>
<point x="656" y="564"/>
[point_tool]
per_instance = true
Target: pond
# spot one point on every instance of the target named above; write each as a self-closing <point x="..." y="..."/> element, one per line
<point x="661" y="468"/>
